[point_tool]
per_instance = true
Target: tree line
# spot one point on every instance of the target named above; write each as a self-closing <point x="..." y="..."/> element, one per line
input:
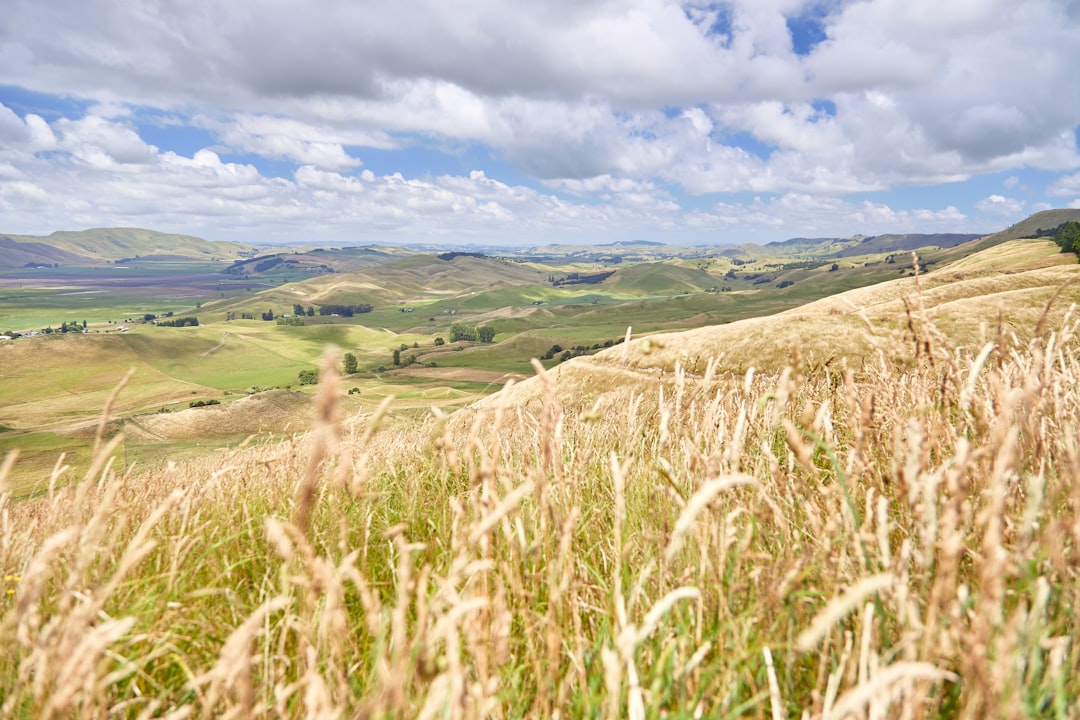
<point x="472" y="333"/>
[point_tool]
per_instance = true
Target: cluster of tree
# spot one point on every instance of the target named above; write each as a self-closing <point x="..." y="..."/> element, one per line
<point x="203" y="403"/>
<point x="65" y="327"/>
<point x="1067" y="237"/>
<point x="291" y="321"/>
<point x="451" y="255"/>
<point x="351" y="364"/>
<point x="579" y="279"/>
<point x="577" y="350"/>
<point x="259" y="264"/>
<point x="267" y="264"/>
<point x="299" y="309"/>
<point x="308" y="377"/>
<point x="179" y="322"/>
<point x="345" y="310"/>
<point x="472" y="333"/>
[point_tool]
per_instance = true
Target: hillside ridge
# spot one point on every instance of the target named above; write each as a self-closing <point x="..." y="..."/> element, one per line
<point x="102" y="245"/>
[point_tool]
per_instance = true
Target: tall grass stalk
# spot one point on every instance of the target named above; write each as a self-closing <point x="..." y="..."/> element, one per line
<point x="882" y="541"/>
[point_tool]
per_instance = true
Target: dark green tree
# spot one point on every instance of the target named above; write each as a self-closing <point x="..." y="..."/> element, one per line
<point x="1067" y="237"/>
<point x="461" y="331"/>
<point x="397" y="357"/>
<point x="351" y="364"/>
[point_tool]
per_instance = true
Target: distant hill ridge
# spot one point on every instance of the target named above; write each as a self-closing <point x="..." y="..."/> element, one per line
<point x="101" y="245"/>
<point x="863" y="245"/>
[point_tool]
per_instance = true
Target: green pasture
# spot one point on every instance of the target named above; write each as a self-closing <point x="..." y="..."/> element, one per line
<point x="60" y="382"/>
<point x="38" y="455"/>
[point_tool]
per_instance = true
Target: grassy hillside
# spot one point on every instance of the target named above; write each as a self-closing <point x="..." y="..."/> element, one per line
<point x="1030" y="226"/>
<point x="659" y="279"/>
<point x="16" y="253"/>
<point x="899" y="539"/>
<point x="999" y="292"/>
<point x="109" y="244"/>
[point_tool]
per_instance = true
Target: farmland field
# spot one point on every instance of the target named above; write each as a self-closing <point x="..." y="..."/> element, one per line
<point x="820" y="509"/>
<point x="54" y="385"/>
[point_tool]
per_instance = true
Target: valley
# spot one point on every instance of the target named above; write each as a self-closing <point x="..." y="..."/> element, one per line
<point x="262" y="323"/>
<point x="490" y="456"/>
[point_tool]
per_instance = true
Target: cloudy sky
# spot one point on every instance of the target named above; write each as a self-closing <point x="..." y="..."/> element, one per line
<point x="531" y="121"/>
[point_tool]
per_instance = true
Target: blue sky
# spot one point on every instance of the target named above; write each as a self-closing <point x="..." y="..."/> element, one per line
<point x="526" y="122"/>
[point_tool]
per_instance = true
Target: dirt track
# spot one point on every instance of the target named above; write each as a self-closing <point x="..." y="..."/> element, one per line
<point x="463" y="374"/>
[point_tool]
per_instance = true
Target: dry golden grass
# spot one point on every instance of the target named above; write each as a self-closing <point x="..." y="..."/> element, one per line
<point x="971" y="302"/>
<point x="897" y="539"/>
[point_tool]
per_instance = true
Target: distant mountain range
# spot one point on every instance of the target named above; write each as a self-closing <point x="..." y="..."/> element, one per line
<point x="110" y="245"/>
<point x="105" y="245"/>
<point x="861" y="245"/>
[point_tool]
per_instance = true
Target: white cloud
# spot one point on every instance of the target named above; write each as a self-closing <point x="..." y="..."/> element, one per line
<point x="1066" y="186"/>
<point x="286" y="138"/>
<point x="620" y="109"/>
<point x="815" y="216"/>
<point x="1000" y="205"/>
<point x="103" y="143"/>
<point x="30" y="134"/>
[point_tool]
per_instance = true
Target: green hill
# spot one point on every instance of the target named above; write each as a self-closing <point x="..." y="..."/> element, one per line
<point x="410" y="277"/>
<point x="100" y="245"/>
<point x="1014" y="281"/>
<point x="1030" y="227"/>
<point x="659" y="279"/>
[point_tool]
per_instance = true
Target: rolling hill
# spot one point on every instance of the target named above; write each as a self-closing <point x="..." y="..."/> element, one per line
<point x="956" y="306"/>
<point x="1031" y="227"/>
<point x="658" y="279"/>
<point x="101" y="245"/>
<point x="411" y="277"/>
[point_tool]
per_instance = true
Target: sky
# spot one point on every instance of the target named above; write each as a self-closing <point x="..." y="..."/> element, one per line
<point x="525" y="122"/>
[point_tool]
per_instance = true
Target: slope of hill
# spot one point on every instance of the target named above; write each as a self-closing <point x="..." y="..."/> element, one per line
<point x="110" y="244"/>
<point x="658" y="279"/>
<point x="15" y="253"/>
<point x="862" y="245"/>
<point x="1015" y="281"/>
<point x="899" y="243"/>
<point x="1033" y="226"/>
<point x="316" y="261"/>
<point x="409" y="277"/>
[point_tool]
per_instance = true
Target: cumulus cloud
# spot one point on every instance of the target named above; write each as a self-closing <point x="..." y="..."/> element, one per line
<point x="1066" y="186"/>
<point x="610" y="111"/>
<point x="287" y="138"/>
<point x="1000" y="205"/>
<point x="817" y="216"/>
